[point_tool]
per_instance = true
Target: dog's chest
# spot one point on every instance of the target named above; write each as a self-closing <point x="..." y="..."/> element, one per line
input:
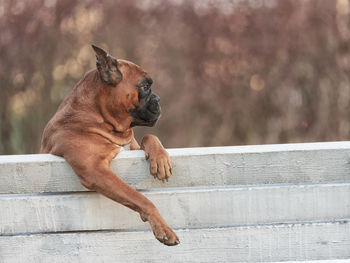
<point x="126" y="147"/>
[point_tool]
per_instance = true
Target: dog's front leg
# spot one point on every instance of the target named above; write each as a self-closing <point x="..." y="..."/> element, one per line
<point x="134" y="144"/>
<point x="93" y="171"/>
<point x="159" y="160"/>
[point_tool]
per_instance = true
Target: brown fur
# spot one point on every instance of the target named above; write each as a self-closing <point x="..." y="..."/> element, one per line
<point x="89" y="129"/>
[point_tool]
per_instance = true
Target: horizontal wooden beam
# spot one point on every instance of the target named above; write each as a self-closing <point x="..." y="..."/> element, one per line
<point x="237" y="165"/>
<point x="187" y="207"/>
<point x="284" y="242"/>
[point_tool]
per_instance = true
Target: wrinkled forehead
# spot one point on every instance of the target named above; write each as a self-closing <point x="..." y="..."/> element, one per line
<point x="130" y="70"/>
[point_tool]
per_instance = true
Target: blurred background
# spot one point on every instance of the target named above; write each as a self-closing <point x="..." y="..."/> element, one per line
<point x="228" y="72"/>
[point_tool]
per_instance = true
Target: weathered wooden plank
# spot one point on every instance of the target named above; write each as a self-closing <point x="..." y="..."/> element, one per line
<point x="237" y="165"/>
<point x="187" y="207"/>
<point x="318" y="261"/>
<point x="309" y="241"/>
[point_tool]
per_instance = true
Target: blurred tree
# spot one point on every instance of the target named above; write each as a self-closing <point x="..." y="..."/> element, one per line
<point x="228" y="72"/>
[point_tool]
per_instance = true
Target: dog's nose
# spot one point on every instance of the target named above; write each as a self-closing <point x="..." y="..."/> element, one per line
<point x="154" y="105"/>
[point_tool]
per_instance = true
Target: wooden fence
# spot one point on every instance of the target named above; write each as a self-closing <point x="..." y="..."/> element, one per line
<point x="227" y="204"/>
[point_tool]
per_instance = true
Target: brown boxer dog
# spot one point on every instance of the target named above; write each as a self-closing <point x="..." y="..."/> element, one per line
<point x="96" y="119"/>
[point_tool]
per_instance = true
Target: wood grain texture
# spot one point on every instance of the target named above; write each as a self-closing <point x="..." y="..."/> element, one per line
<point x="237" y="204"/>
<point x="195" y="207"/>
<point x="309" y="241"/>
<point x="236" y="165"/>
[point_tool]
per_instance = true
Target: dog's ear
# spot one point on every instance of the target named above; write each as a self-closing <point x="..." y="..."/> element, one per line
<point x="107" y="67"/>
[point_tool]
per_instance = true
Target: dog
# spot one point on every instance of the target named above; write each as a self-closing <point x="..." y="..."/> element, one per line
<point x="96" y="120"/>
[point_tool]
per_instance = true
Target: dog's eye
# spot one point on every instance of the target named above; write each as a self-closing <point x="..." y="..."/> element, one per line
<point x="146" y="87"/>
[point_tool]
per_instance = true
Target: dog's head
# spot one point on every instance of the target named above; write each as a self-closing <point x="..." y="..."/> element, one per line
<point x="129" y="89"/>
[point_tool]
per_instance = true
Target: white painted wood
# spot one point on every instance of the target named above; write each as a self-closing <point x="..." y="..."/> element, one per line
<point x="236" y="165"/>
<point x="187" y="207"/>
<point x="318" y="261"/>
<point x="230" y="244"/>
<point x="255" y="194"/>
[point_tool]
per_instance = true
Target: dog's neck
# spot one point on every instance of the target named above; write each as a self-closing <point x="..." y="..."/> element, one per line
<point x="118" y="132"/>
<point x="112" y="123"/>
<point x="111" y="114"/>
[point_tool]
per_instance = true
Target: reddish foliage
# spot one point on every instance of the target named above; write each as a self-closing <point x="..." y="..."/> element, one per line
<point x="246" y="73"/>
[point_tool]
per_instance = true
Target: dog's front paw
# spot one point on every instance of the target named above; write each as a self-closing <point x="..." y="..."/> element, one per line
<point x="160" y="165"/>
<point x="159" y="160"/>
<point x="163" y="232"/>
